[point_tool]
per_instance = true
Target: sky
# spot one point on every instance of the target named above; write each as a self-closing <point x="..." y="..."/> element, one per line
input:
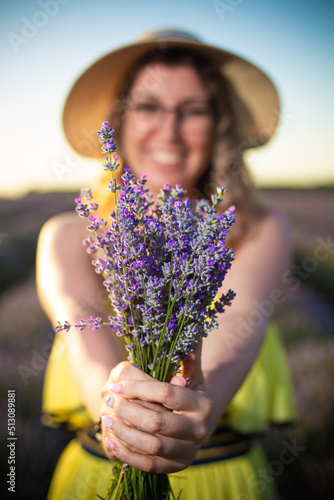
<point x="46" y="44"/>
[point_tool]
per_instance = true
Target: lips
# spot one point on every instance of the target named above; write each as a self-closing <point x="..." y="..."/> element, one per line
<point x="166" y="158"/>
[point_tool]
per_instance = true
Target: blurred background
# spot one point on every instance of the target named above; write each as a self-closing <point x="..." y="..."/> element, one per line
<point x="45" y="45"/>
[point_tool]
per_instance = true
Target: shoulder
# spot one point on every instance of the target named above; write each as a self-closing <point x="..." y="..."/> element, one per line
<point x="63" y="269"/>
<point x="67" y="222"/>
<point x="267" y="245"/>
<point x="272" y="226"/>
<point x="67" y="225"/>
<point x="61" y="236"/>
<point x="261" y="259"/>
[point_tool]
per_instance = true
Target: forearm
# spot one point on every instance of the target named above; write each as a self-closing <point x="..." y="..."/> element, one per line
<point x="227" y="357"/>
<point x="229" y="352"/>
<point x="92" y="355"/>
<point x="70" y="290"/>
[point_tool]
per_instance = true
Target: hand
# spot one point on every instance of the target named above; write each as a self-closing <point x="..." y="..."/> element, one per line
<point x="154" y="426"/>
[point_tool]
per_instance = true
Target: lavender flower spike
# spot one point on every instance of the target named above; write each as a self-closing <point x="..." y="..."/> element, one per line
<point x="107" y="135"/>
<point x="162" y="266"/>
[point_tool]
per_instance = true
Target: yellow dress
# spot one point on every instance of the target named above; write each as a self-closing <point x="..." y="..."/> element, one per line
<point x="229" y="467"/>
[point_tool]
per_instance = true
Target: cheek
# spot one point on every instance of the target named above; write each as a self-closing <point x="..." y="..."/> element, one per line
<point x="129" y="144"/>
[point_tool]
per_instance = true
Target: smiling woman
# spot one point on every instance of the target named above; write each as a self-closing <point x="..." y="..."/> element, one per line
<point x="167" y="130"/>
<point x="183" y="112"/>
<point x="198" y="128"/>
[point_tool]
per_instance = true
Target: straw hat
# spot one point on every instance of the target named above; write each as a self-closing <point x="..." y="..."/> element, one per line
<point x="253" y="97"/>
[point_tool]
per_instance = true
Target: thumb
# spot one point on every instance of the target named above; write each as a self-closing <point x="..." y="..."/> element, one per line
<point x="192" y="375"/>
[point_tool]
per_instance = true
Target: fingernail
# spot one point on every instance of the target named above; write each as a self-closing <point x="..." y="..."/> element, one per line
<point x="107" y="421"/>
<point x="184" y="379"/>
<point x="111" y="445"/>
<point x="116" y="388"/>
<point x="110" y="401"/>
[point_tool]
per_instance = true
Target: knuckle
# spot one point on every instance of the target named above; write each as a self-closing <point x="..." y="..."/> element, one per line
<point x="156" y="423"/>
<point x="155" y="446"/>
<point x="166" y="392"/>
<point x="201" y="429"/>
<point x="207" y="407"/>
<point x="120" y="371"/>
<point x="200" y="432"/>
<point x="148" y="465"/>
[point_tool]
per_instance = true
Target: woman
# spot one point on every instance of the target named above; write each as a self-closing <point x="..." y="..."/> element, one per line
<point x="184" y="112"/>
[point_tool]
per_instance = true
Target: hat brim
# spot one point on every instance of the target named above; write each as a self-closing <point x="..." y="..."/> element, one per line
<point x="254" y="98"/>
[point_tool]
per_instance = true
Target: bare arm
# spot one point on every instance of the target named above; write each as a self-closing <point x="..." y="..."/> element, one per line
<point x="229" y="353"/>
<point x="69" y="289"/>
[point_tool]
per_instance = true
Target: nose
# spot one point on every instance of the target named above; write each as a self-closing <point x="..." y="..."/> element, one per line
<point x="170" y="126"/>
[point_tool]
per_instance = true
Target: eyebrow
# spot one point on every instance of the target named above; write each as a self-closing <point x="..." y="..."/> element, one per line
<point x="189" y="100"/>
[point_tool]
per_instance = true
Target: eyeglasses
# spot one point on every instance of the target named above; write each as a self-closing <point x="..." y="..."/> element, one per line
<point x="192" y="118"/>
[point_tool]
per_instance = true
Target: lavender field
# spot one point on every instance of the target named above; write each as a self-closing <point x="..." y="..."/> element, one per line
<point x="306" y="320"/>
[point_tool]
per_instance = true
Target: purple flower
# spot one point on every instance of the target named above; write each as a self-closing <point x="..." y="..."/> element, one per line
<point x="63" y="326"/>
<point x="106" y="135"/>
<point x="162" y="266"/>
<point x="86" y="193"/>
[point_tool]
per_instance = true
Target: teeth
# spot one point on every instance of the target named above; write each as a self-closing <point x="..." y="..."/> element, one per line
<point x="164" y="157"/>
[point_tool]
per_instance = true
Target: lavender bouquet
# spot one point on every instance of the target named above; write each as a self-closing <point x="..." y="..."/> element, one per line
<point x="162" y="266"/>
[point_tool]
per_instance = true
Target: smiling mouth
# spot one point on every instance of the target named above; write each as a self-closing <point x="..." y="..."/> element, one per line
<point x="166" y="158"/>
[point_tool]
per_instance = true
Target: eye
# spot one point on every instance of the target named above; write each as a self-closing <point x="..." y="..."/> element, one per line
<point x="195" y="111"/>
<point x="146" y="107"/>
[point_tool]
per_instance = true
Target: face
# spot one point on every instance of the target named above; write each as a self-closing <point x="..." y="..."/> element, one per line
<point x="168" y="126"/>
